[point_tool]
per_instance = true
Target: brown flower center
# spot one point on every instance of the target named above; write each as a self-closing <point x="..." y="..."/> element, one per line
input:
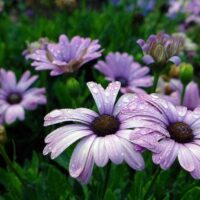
<point x="14" y="98"/>
<point x="180" y="132"/>
<point x="105" y="125"/>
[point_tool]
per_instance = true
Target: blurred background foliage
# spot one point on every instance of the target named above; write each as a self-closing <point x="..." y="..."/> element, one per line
<point x="117" y="27"/>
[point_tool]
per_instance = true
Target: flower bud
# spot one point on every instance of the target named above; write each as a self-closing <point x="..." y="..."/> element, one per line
<point x="3" y="135"/>
<point x="186" y="73"/>
<point x="73" y="86"/>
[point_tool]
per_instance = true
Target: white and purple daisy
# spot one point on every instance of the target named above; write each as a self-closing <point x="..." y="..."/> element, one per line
<point x="172" y="130"/>
<point x="104" y="135"/>
<point x="16" y="97"/>
<point x="65" y="56"/>
<point x="121" y="67"/>
<point x="161" y="48"/>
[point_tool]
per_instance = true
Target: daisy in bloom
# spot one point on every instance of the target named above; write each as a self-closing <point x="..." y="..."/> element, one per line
<point x="122" y="68"/>
<point x="171" y="91"/>
<point x="161" y="48"/>
<point x="65" y="56"/>
<point x="173" y="130"/>
<point x="16" y="97"/>
<point x="104" y="135"/>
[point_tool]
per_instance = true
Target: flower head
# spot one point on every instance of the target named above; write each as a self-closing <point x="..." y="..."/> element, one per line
<point x="171" y="91"/>
<point x="161" y="48"/>
<point x="122" y="68"/>
<point x="104" y="135"/>
<point x="16" y="97"/>
<point x="173" y="131"/>
<point x="65" y="56"/>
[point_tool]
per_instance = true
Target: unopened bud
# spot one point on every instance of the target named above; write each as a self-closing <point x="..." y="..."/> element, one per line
<point x="186" y="73"/>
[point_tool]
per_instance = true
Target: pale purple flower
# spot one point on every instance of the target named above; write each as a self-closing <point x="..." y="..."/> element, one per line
<point x="104" y="135"/>
<point x="161" y="48"/>
<point x="15" y="97"/>
<point x="193" y="7"/>
<point x="172" y="90"/>
<point x="66" y="56"/>
<point x="168" y="131"/>
<point x="121" y="67"/>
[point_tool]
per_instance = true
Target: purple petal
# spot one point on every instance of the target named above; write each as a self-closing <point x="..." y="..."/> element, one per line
<point x="114" y="148"/>
<point x="82" y="115"/>
<point x="185" y="158"/>
<point x="147" y="59"/>
<point x="99" y="152"/>
<point x="79" y="157"/>
<point x="175" y="59"/>
<point x="133" y="158"/>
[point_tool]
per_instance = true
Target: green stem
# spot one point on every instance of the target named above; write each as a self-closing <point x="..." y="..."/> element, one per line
<point x="149" y="190"/>
<point x="105" y="185"/>
<point x="183" y="94"/>
<point x="9" y="163"/>
<point x="155" y="81"/>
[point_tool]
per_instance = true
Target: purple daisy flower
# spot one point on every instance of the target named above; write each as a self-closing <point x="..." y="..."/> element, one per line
<point x="65" y="56"/>
<point x="161" y="48"/>
<point x="172" y="90"/>
<point x="104" y="135"/>
<point x="173" y="131"/>
<point x="16" y="97"/>
<point x="122" y="68"/>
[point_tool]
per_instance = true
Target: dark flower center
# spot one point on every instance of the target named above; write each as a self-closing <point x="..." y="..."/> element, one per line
<point x="105" y="125"/>
<point x="14" y="98"/>
<point x="180" y="132"/>
<point x="123" y="81"/>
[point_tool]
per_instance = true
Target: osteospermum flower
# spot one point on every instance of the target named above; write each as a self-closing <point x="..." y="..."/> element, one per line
<point x="16" y="97"/>
<point x="172" y="90"/>
<point x="161" y="48"/>
<point x="66" y="56"/>
<point x="104" y="135"/>
<point x="173" y="131"/>
<point x="122" y="68"/>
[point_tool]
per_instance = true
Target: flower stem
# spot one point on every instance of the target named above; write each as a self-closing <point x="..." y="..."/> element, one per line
<point x="9" y="163"/>
<point x="148" y="191"/>
<point x="155" y="81"/>
<point x="183" y="94"/>
<point x="105" y="185"/>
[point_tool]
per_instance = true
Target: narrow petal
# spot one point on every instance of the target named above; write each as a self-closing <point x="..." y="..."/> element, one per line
<point x="99" y="152"/>
<point x="175" y="59"/>
<point x="147" y="59"/>
<point x="133" y="158"/>
<point x="185" y="158"/>
<point x="80" y="155"/>
<point x="82" y="115"/>
<point x="114" y="148"/>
